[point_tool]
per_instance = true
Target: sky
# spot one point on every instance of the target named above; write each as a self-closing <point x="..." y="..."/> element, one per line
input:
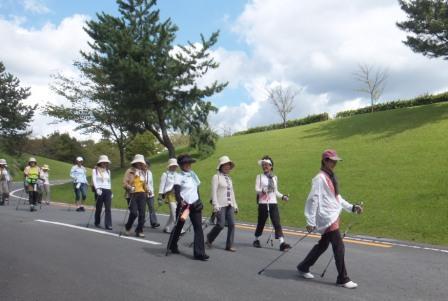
<point x="313" y="46"/>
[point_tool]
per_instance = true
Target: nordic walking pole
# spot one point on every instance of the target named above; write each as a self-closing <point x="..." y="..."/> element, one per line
<point x="91" y="213"/>
<point x="283" y="253"/>
<point x="125" y="215"/>
<point x="270" y="225"/>
<point x="343" y="236"/>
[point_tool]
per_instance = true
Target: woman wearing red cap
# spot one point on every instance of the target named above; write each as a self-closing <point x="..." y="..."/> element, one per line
<point x="322" y="210"/>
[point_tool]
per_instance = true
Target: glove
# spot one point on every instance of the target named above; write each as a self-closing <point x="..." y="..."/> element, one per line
<point x="78" y="185"/>
<point x="236" y="210"/>
<point x="357" y="209"/>
<point x="132" y="189"/>
<point x="99" y="191"/>
<point x="264" y="189"/>
<point x="285" y="198"/>
<point x="215" y="209"/>
<point x="310" y="228"/>
<point x="160" y="200"/>
<point x="112" y="196"/>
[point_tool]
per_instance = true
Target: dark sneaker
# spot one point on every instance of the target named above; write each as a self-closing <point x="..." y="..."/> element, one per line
<point x="108" y="228"/>
<point x="256" y="243"/>
<point x="78" y="209"/>
<point x="284" y="247"/>
<point x="82" y="209"/>
<point x="97" y="225"/>
<point x="155" y="225"/>
<point x="202" y="257"/>
<point x="175" y="250"/>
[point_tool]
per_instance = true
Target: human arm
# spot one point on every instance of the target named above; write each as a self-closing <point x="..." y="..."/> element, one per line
<point x="312" y="204"/>
<point x="215" y="184"/>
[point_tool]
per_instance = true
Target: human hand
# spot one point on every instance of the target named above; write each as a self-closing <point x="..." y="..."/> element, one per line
<point x="358" y="208"/>
<point x="237" y="210"/>
<point x="285" y="197"/>
<point x="99" y="191"/>
<point x="310" y="228"/>
<point x="160" y="200"/>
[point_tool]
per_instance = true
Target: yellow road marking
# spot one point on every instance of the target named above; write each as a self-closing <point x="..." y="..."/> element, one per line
<point x="347" y="240"/>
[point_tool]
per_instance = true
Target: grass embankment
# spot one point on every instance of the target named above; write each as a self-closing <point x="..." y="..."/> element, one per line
<point x="394" y="161"/>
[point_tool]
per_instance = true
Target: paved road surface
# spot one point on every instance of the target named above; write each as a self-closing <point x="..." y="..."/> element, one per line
<point x="44" y="260"/>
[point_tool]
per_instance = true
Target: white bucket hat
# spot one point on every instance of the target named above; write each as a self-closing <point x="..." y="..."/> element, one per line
<point x="138" y="159"/>
<point x="224" y="160"/>
<point x="103" y="159"/>
<point x="172" y="162"/>
<point x="79" y="159"/>
<point x="3" y="162"/>
<point x="32" y="159"/>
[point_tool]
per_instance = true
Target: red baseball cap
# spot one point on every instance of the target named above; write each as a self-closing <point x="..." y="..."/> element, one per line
<point x="331" y="154"/>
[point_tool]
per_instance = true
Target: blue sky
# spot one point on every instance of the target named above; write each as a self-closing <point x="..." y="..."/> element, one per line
<point x="313" y="46"/>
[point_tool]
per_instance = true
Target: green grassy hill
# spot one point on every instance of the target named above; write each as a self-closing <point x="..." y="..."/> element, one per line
<point x="394" y="161"/>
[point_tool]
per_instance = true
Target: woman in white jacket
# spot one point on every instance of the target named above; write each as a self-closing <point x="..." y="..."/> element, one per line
<point x="166" y="192"/>
<point x="102" y="183"/>
<point x="266" y="186"/>
<point x="224" y="203"/>
<point x="322" y="210"/>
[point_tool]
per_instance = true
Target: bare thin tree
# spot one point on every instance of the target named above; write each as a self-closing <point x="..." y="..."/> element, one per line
<point x="373" y="81"/>
<point x="283" y="99"/>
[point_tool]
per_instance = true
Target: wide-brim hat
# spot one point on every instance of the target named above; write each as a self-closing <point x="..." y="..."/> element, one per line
<point x="32" y="159"/>
<point x="184" y="159"/>
<point x="46" y="167"/>
<point x="103" y="159"/>
<point x="79" y="159"/>
<point x="224" y="160"/>
<point x="138" y="159"/>
<point x="331" y="154"/>
<point x="172" y="162"/>
<point x="3" y="162"/>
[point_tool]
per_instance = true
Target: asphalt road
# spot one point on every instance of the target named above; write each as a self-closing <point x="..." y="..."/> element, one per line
<point x="43" y="260"/>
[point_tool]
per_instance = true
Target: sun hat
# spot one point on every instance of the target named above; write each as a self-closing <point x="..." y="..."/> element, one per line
<point x="138" y="159"/>
<point x="224" y="160"/>
<point x="331" y="154"/>
<point x="32" y="159"/>
<point x="172" y="162"/>
<point x="3" y="162"/>
<point x="45" y="167"/>
<point x="79" y="159"/>
<point x="185" y="158"/>
<point x="103" y="159"/>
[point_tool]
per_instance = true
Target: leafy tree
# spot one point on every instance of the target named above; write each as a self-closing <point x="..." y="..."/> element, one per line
<point x="427" y="24"/>
<point x="61" y="147"/>
<point x="93" y="108"/>
<point x="156" y="80"/>
<point x="144" y="143"/>
<point x="92" y="150"/>
<point x="15" y="116"/>
<point x="204" y="140"/>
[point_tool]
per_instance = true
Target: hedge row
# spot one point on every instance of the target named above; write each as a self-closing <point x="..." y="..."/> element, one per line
<point x="289" y="123"/>
<point x="418" y="101"/>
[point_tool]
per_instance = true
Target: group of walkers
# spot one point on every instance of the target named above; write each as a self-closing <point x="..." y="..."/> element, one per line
<point x="180" y="190"/>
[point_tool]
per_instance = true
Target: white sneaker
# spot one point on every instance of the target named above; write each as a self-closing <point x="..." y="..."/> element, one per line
<point x="306" y="275"/>
<point x="349" y="285"/>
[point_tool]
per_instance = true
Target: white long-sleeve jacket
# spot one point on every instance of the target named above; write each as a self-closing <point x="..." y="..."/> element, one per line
<point x="261" y="186"/>
<point x="167" y="181"/>
<point x="322" y="207"/>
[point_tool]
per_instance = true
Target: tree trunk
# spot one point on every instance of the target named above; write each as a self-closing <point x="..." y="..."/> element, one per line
<point x="122" y="154"/>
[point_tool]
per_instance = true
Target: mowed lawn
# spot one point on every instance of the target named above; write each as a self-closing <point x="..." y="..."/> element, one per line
<point x="394" y="161"/>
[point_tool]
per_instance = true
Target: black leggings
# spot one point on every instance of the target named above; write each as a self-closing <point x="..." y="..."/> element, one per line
<point x="33" y="197"/>
<point x="263" y="216"/>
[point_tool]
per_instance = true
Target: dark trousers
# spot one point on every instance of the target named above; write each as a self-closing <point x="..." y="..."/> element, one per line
<point x="263" y="216"/>
<point x="152" y="211"/>
<point x="106" y="199"/>
<point x="225" y="214"/>
<point x="196" y="220"/>
<point x="335" y="238"/>
<point x="137" y="208"/>
<point x="33" y="197"/>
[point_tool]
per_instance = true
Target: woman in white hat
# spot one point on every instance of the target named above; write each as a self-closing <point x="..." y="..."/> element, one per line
<point x="5" y="182"/>
<point x="79" y="175"/>
<point x="166" y="192"/>
<point x="31" y="173"/>
<point x="45" y="177"/>
<point x="134" y="182"/>
<point x="224" y="203"/>
<point x="266" y="186"/>
<point x="102" y="186"/>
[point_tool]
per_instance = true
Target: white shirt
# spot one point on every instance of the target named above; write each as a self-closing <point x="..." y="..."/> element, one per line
<point x="5" y="175"/>
<point x="189" y="183"/>
<point x="322" y="207"/>
<point x="45" y="177"/>
<point x="222" y="191"/>
<point x="101" y="178"/>
<point x="150" y="183"/>
<point x="78" y="174"/>
<point x="167" y="181"/>
<point x="261" y="187"/>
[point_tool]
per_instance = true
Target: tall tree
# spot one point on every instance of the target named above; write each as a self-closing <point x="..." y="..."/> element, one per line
<point x="427" y="24"/>
<point x="93" y="107"/>
<point x="373" y="81"/>
<point x="15" y="116"/>
<point x="283" y="99"/>
<point x="135" y="51"/>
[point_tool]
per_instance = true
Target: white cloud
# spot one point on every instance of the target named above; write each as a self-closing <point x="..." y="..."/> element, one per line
<point x="35" y="6"/>
<point x="33" y="55"/>
<point x="317" y="45"/>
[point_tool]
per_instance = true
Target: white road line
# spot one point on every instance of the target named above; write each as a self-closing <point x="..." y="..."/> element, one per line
<point x="99" y="232"/>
